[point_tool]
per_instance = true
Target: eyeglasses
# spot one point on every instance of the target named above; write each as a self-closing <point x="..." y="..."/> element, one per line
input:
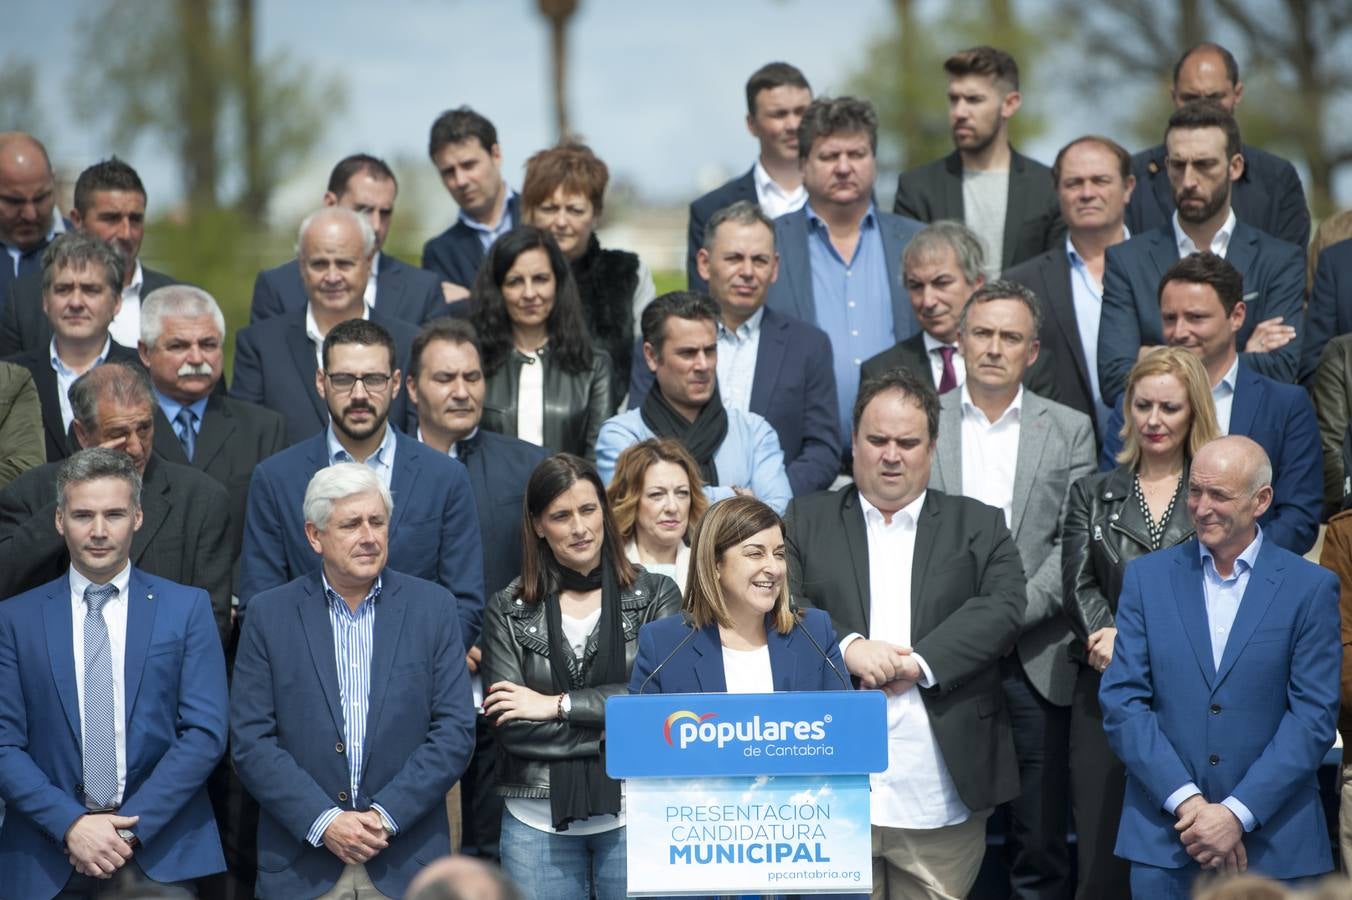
<point x="346" y="381"/>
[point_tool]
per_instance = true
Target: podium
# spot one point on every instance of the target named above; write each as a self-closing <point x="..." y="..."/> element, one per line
<point x="747" y="793"/>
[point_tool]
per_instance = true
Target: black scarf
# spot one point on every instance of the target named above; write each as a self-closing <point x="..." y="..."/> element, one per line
<point x="701" y="437"/>
<point x="580" y="788"/>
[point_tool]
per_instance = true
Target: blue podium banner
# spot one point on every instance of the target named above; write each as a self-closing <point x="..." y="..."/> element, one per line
<point x="819" y="733"/>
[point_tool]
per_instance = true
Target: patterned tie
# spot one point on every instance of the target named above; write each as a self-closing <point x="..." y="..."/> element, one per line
<point x="100" y="732"/>
<point x="183" y="427"/>
<point x="950" y="376"/>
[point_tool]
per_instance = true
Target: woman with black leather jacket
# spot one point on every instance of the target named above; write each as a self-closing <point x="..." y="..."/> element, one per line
<point x="557" y="642"/>
<point x="1112" y="518"/>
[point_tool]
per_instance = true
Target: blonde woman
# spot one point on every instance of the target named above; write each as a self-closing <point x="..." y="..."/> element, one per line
<point x="657" y="502"/>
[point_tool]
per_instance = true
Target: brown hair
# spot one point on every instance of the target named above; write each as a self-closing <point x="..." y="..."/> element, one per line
<point x="727" y="524"/>
<point x="571" y="166"/>
<point x="996" y="64"/>
<point x="1188" y="370"/>
<point x="626" y="485"/>
<point x="1337" y="227"/>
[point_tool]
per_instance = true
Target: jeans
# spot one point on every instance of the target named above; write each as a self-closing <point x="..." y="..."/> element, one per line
<point x="560" y="866"/>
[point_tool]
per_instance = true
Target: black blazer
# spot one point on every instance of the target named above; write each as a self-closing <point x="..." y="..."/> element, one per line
<point x="499" y="467"/>
<point x="275" y="368"/>
<point x="1329" y="313"/>
<point x="185" y="523"/>
<point x="455" y="254"/>
<point x="576" y="403"/>
<point x="402" y="291"/>
<point x="743" y="187"/>
<point x="1267" y="196"/>
<point x="967" y="602"/>
<point x="38" y="362"/>
<point x="24" y="326"/>
<point x="1032" y="214"/>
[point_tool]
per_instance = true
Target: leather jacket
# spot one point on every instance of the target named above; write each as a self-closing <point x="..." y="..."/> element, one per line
<point x="1104" y="530"/>
<point x="516" y="649"/>
<point x="576" y="403"/>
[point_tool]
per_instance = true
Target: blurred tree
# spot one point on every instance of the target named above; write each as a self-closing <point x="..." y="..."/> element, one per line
<point x="558" y="12"/>
<point x="904" y="77"/>
<point x="1295" y="61"/>
<point x="192" y="79"/>
<point x="19" y="109"/>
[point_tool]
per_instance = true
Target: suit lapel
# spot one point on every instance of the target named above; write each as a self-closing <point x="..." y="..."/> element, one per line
<point x="1016" y="202"/>
<point x="706" y="646"/>
<point x="949" y="457"/>
<point x="314" y="616"/>
<point x="404" y="480"/>
<point x="783" y="661"/>
<point x="141" y="608"/>
<point x="1159" y="186"/>
<point x="303" y="357"/>
<point x="797" y="265"/>
<point x="920" y="560"/>
<point x="904" y="323"/>
<point x="166" y="441"/>
<point x="218" y="426"/>
<point x="389" y="625"/>
<point x="951" y="188"/>
<point x="1032" y="443"/>
<point x="1059" y="295"/>
<point x="44" y="379"/>
<point x="856" y="539"/>
<point x="1191" y="599"/>
<point x="769" y="357"/>
<point x="389" y="284"/>
<point x="1240" y="254"/>
<point x="1264" y="581"/>
<point x="1249" y="395"/>
<point x="155" y="508"/>
<point x="59" y="623"/>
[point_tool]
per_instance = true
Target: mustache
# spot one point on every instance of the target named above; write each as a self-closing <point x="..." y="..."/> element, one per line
<point x="188" y="369"/>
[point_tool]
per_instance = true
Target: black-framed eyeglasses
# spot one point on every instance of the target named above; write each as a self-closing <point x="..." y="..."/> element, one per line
<point x="346" y="381"/>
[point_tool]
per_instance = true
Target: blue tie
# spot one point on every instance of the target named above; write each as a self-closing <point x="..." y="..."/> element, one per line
<point x="100" y="732"/>
<point x="186" y="436"/>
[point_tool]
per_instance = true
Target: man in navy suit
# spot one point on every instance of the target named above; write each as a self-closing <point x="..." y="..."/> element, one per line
<point x="464" y="148"/>
<point x="435" y="526"/>
<point x="1222" y="691"/>
<point x="1202" y="312"/>
<point x="1330" y="311"/>
<point x="28" y="219"/>
<point x="1267" y="196"/>
<point x="276" y="360"/>
<point x="777" y="95"/>
<point x="365" y="185"/>
<point x="1205" y="159"/>
<point x="351" y="714"/>
<point x="771" y="364"/>
<point x="840" y="238"/>
<point x="112" y="708"/>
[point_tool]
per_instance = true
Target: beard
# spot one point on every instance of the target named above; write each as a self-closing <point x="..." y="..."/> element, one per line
<point x="359" y="431"/>
<point x="1198" y="214"/>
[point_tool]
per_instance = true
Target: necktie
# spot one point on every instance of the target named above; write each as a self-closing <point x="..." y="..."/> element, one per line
<point x="100" y="732"/>
<point x="183" y="426"/>
<point x="950" y="375"/>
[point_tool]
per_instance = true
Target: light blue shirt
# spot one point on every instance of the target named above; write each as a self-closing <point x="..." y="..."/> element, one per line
<point x="1223" y="597"/>
<point x="1223" y="396"/>
<point x="749" y="456"/>
<point x="353" y="640"/>
<point x="853" y="301"/>
<point x="1087" y="296"/>
<point x="381" y="462"/>
<point x="171" y="408"/>
<point x="487" y="234"/>
<point x="737" y="360"/>
<point x="65" y="377"/>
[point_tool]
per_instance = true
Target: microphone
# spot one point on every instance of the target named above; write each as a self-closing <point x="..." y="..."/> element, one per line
<point x="685" y="640"/>
<point x="797" y="614"/>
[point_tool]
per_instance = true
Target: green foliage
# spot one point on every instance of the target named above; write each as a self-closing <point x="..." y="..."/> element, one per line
<point x="19" y="109"/>
<point x="668" y="280"/>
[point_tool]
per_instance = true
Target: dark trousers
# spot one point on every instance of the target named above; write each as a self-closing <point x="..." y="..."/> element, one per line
<point x="480" y="805"/>
<point x="1098" y="783"/>
<point x="1037" y="850"/>
<point x="128" y="881"/>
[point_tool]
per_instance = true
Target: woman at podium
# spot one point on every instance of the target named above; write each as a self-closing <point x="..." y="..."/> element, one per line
<point x="555" y="646"/>
<point x="739" y="633"/>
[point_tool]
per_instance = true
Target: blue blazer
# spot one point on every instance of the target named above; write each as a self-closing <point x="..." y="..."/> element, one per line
<point x="794" y="388"/>
<point x="698" y="666"/>
<point x="403" y="292"/>
<point x="743" y="187"/>
<point x="175" y="713"/>
<point x="1274" y="285"/>
<point x="434" y="530"/>
<point x="1255" y="728"/>
<point x="1280" y="417"/>
<point x="286" y="722"/>
<point x="275" y="368"/>
<point x="455" y="254"/>
<point x="1330" y="311"/>
<point x="498" y="468"/>
<point x="791" y="293"/>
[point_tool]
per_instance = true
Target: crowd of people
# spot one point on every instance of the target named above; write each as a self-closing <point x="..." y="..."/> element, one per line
<point x="1038" y="453"/>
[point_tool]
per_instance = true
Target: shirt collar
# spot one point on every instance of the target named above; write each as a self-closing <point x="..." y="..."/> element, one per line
<point x="767" y="185"/>
<point x="746" y="329"/>
<point x="1014" y="410"/>
<point x="1221" y="240"/>
<point x="338" y="453"/>
<point x="170" y="406"/>
<point x="312" y="327"/>
<point x="908" y="515"/>
<point x="816" y="221"/>
<point x="79" y="583"/>
<point x="1074" y="255"/>
<point x="454" y="451"/>
<point x="60" y="366"/>
<point x="1243" y="563"/>
<point x="932" y="343"/>
<point x="336" y="599"/>
<point x="504" y="222"/>
<point x="138" y="277"/>
<point x="1230" y="376"/>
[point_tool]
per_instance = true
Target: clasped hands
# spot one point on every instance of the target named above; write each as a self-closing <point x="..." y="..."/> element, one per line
<point x="356" y="837"/>
<point x="883" y="665"/>
<point x="94" y="847"/>
<point x="1212" y="835"/>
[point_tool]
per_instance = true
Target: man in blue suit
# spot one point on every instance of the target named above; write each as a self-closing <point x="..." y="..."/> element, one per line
<point x="1204" y="162"/>
<point x="365" y="185"/>
<point x="351" y="714"/>
<point x="1222" y="691"/>
<point x="276" y="360"/>
<point x="777" y="95"/>
<point x="842" y="255"/>
<point x="1330" y="311"/>
<point x="435" y="526"/>
<point x="464" y="148"/>
<point x="1202" y="312"/>
<point x="770" y="364"/>
<point x="112" y="708"/>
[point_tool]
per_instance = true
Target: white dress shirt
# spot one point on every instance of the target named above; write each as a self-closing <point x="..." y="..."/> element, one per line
<point x="65" y="377"/>
<point x="126" y="326"/>
<point x="774" y="200"/>
<point x="936" y="360"/>
<point x="1223" y="395"/>
<point x="737" y="360"/>
<point x="312" y="331"/>
<point x="381" y="462"/>
<point x="916" y="790"/>
<point x="1220" y="241"/>
<point x="115" y="618"/>
<point x="990" y="453"/>
<point x="369" y="295"/>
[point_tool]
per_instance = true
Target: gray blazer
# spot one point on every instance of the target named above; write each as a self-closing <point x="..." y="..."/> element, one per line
<point x="1056" y="448"/>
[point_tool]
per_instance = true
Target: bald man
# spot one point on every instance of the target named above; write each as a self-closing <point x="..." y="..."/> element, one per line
<point x="1221" y="693"/>
<point x="27" y="206"/>
<point x="461" y="878"/>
